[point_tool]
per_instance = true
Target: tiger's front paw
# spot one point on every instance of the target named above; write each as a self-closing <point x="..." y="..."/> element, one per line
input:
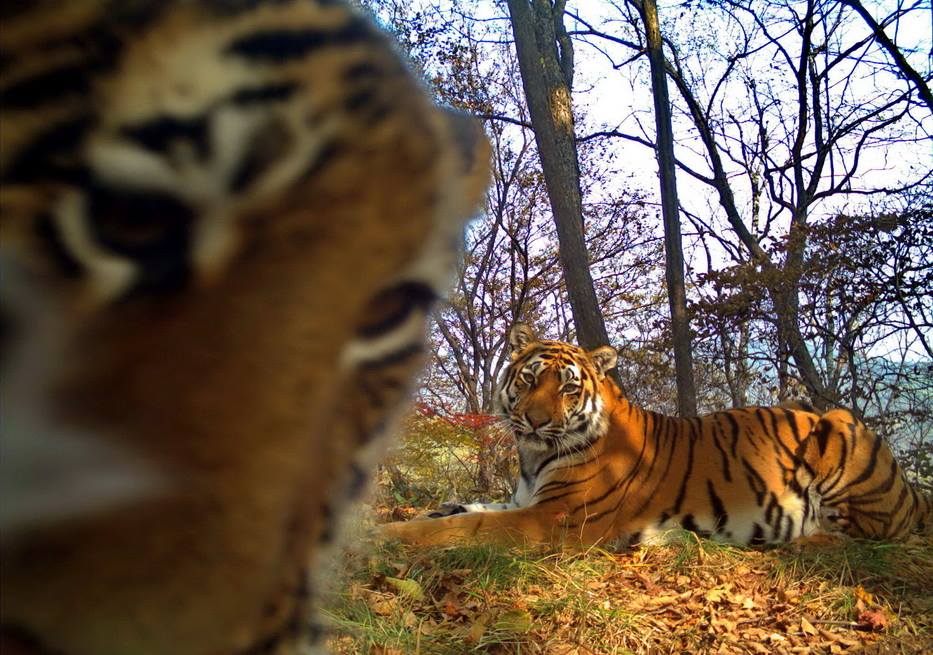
<point x="421" y="532"/>
<point x="834" y="520"/>
<point x="447" y="509"/>
<point x="396" y="531"/>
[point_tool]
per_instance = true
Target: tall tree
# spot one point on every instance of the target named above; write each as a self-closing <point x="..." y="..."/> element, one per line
<point x="673" y="248"/>
<point x="545" y="59"/>
<point x="815" y="162"/>
<point x="802" y="127"/>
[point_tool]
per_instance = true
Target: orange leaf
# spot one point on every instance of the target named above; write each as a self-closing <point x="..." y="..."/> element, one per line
<point x="650" y="586"/>
<point x="863" y="595"/>
<point x="383" y="606"/>
<point x="874" y="620"/>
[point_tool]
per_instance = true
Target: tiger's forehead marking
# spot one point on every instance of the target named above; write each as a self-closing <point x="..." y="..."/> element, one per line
<point x="568" y="363"/>
<point x="555" y="353"/>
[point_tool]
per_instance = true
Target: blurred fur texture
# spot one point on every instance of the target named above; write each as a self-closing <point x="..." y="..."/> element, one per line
<point x="224" y="224"/>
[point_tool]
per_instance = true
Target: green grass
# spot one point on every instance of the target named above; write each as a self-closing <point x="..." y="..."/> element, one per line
<point x="691" y="550"/>
<point x="490" y="567"/>
<point x="846" y="562"/>
<point x="688" y="594"/>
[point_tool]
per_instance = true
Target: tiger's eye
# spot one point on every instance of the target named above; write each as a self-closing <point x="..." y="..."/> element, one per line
<point x="152" y="229"/>
<point x="571" y="389"/>
<point x="139" y="225"/>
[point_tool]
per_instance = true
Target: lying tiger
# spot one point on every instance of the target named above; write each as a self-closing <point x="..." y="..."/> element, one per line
<point x="595" y="468"/>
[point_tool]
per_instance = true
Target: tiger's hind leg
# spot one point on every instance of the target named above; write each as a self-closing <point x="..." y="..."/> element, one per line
<point x="862" y="489"/>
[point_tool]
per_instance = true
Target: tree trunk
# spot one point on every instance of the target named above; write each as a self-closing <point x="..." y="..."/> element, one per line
<point x="547" y="75"/>
<point x="674" y="268"/>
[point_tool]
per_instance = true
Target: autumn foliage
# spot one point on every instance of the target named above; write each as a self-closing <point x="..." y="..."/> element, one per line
<point x="690" y="596"/>
<point x="445" y="456"/>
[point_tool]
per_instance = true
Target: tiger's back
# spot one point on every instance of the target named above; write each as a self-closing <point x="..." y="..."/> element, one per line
<point x="596" y="468"/>
<point x="223" y="226"/>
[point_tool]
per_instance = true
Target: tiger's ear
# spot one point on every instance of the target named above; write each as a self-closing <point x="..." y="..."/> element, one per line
<point x="605" y="359"/>
<point x="520" y="337"/>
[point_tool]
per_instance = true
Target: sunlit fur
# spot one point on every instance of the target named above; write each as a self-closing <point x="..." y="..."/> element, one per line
<point x="223" y="225"/>
<point x="596" y="468"/>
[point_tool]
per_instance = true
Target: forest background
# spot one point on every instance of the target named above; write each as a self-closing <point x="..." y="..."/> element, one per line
<point x="803" y="147"/>
<point x="760" y="230"/>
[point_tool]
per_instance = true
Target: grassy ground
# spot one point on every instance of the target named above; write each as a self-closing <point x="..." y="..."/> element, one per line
<point x="690" y="595"/>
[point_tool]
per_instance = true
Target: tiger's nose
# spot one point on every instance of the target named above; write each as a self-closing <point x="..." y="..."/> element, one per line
<point x="537" y="419"/>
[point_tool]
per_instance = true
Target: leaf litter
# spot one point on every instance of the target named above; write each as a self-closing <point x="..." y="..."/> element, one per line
<point x="687" y="596"/>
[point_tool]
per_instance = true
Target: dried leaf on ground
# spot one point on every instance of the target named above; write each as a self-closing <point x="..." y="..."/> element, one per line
<point x="514" y="621"/>
<point x="407" y="588"/>
<point x="385" y="650"/>
<point x="478" y="628"/>
<point x="383" y="605"/>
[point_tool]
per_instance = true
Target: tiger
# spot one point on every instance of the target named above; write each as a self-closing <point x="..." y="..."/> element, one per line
<point x="224" y="224"/>
<point x="596" y="469"/>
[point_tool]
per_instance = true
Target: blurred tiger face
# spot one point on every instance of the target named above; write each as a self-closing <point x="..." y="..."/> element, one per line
<point x="224" y="224"/>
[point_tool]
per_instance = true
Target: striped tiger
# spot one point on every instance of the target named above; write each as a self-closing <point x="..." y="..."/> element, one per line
<point x="223" y="225"/>
<point x="597" y="469"/>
